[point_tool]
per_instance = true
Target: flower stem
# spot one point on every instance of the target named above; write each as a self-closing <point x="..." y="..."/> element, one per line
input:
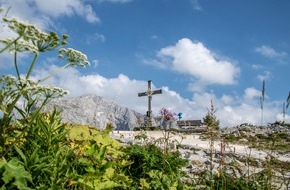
<point x="16" y="66"/>
<point x="54" y="73"/>
<point x="7" y="46"/>
<point x="31" y="66"/>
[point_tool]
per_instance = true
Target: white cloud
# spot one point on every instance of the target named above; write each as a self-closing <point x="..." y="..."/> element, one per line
<point x="280" y="117"/>
<point x="96" y="36"/>
<point x="26" y="11"/>
<point x="95" y="63"/>
<point x="154" y="63"/>
<point x="231" y="111"/>
<point x="269" y="52"/>
<point x="226" y="99"/>
<point x="39" y="12"/>
<point x="251" y="93"/>
<point x="196" y="5"/>
<point x="265" y="76"/>
<point x="7" y="60"/>
<point x="58" y="8"/>
<point x="257" y="66"/>
<point x="100" y="37"/>
<point x="90" y="15"/>
<point x="194" y="59"/>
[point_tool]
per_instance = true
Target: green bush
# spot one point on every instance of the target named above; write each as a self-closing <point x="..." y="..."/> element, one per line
<point x="150" y="166"/>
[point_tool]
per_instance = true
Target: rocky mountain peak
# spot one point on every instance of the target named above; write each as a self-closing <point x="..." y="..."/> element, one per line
<point x="95" y="111"/>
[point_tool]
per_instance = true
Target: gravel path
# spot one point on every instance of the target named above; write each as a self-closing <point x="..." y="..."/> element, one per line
<point x="194" y="141"/>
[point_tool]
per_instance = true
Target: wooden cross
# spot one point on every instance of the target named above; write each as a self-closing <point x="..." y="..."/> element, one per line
<point x="149" y="93"/>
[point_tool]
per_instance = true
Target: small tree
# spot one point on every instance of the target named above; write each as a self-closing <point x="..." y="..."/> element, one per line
<point x="210" y="119"/>
<point x="212" y="123"/>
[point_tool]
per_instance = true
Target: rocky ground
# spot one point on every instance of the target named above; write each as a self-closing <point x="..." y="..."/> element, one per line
<point x="239" y="150"/>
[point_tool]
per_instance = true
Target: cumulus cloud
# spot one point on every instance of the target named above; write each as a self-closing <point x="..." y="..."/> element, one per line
<point x="251" y="93"/>
<point x="26" y="11"/>
<point x="64" y="7"/>
<point x="269" y="52"/>
<point x="231" y="110"/>
<point x="40" y="12"/>
<point x="226" y="99"/>
<point x="196" y="60"/>
<point x="68" y="8"/>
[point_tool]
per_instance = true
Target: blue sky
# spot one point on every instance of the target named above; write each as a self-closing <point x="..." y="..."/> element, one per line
<point x="195" y="50"/>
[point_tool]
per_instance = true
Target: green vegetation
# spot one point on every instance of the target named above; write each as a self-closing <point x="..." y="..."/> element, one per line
<point x="152" y="169"/>
<point x="210" y="119"/>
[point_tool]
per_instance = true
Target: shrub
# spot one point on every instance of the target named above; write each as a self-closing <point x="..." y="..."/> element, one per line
<point x="150" y="166"/>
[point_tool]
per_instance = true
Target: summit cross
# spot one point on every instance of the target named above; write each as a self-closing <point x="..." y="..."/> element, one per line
<point x="149" y="93"/>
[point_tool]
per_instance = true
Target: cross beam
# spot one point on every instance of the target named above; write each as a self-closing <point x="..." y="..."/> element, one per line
<point x="149" y="93"/>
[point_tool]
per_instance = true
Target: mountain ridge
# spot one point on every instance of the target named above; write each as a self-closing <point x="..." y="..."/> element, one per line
<point x="96" y="111"/>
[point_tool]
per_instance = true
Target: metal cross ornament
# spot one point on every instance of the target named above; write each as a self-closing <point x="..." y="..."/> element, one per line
<point x="149" y="93"/>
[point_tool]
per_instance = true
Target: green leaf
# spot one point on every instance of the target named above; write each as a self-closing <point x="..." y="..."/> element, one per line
<point x="102" y="153"/>
<point x="21" y="154"/>
<point x="144" y="184"/>
<point x="110" y="173"/>
<point x="16" y="173"/>
<point x="90" y="169"/>
<point x="106" y="184"/>
<point x="153" y="174"/>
